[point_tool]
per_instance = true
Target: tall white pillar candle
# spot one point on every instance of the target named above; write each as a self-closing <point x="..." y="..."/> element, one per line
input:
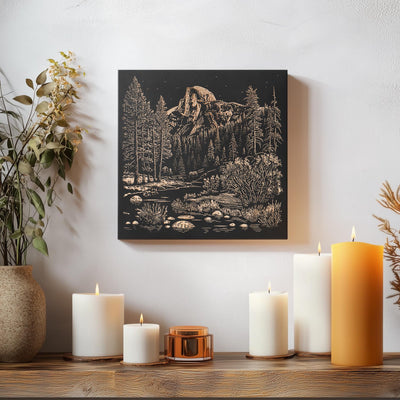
<point x="141" y="343"/>
<point x="268" y="323"/>
<point x="97" y="324"/>
<point x="312" y="303"/>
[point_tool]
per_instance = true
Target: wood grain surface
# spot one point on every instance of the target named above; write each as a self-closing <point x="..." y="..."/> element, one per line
<point x="228" y="375"/>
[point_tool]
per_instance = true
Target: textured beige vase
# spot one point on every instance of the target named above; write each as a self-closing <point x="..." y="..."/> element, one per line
<point x="22" y="314"/>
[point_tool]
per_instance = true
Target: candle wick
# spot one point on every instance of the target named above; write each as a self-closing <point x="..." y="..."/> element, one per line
<point x="269" y="290"/>
<point x="353" y="240"/>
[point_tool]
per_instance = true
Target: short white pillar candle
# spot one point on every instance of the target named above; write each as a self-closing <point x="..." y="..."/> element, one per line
<point x="268" y="323"/>
<point x="141" y="343"/>
<point x="97" y="323"/>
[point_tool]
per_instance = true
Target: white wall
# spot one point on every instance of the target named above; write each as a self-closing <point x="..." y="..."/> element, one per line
<point x="344" y="141"/>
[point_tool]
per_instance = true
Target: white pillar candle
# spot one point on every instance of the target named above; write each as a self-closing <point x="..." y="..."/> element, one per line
<point x="312" y="303"/>
<point x="141" y="343"/>
<point x="268" y="323"/>
<point x="97" y="324"/>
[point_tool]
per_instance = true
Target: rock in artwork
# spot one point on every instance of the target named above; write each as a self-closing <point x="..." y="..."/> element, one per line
<point x="202" y="154"/>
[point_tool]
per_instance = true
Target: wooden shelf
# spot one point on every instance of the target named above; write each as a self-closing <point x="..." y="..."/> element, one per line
<point x="228" y="375"/>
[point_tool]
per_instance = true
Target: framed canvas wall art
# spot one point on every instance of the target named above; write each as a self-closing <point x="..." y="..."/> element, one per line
<point x="202" y="154"/>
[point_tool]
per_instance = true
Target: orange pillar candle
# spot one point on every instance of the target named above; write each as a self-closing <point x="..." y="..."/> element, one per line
<point x="357" y="304"/>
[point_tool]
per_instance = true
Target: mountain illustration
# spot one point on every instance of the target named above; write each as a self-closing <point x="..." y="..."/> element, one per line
<point x="199" y="110"/>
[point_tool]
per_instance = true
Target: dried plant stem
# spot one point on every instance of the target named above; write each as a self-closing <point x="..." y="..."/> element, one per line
<point x="391" y="200"/>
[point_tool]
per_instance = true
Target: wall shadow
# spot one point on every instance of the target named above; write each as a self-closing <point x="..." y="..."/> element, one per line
<point x="58" y="309"/>
<point x="58" y="293"/>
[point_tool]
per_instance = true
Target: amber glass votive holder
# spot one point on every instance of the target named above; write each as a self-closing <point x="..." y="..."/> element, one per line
<point x="188" y="343"/>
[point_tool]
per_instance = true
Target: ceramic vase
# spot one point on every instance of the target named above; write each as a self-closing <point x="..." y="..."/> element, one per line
<point x="22" y="314"/>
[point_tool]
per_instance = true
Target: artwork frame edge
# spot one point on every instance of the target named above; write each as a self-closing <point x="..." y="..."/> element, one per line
<point x="283" y="234"/>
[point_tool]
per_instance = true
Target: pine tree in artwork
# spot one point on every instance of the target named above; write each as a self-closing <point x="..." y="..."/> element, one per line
<point x="253" y="120"/>
<point x="146" y="142"/>
<point x="240" y="131"/>
<point x="210" y="153"/>
<point x="191" y="161"/>
<point x="178" y="166"/>
<point x="223" y="156"/>
<point x="205" y="162"/>
<point x="274" y="126"/>
<point x="155" y="145"/>
<point x="197" y="153"/>
<point x="181" y="167"/>
<point x="232" y="149"/>
<point x="217" y="144"/>
<point x="132" y="107"/>
<point x="186" y="153"/>
<point x="175" y="150"/>
<point x="162" y="128"/>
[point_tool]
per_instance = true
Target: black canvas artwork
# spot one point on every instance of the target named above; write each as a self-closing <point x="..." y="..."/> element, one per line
<point x="202" y="154"/>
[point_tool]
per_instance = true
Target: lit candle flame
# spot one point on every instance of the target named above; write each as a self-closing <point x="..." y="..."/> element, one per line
<point x="269" y="287"/>
<point x="319" y="248"/>
<point x="97" y="289"/>
<point x="353" y="234"/>
<point x="141" y="319"/>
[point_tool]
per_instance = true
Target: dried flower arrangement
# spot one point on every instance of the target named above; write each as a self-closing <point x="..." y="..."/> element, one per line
<point x="37" y="146"/>
<point x="391" y="200"/>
